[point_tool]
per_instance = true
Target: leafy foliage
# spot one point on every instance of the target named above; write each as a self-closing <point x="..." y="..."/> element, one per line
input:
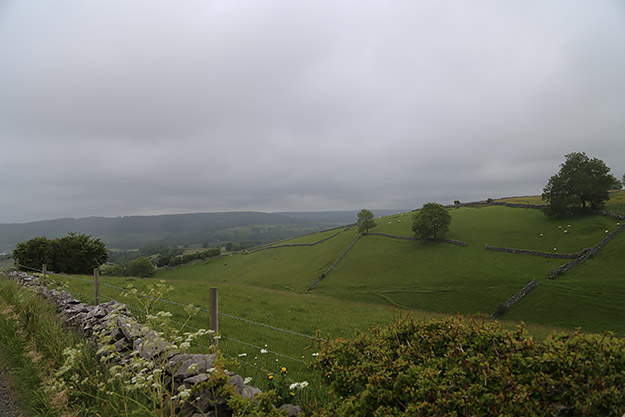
<point x="365" y="221"/>
<point x="140" y="267"/>
<point x="432" y="220"/>
<point x="582" y="183"/>
<point x="183" y="259"/>
<point x="72" y="254"/>
<point x="467" y="366"/>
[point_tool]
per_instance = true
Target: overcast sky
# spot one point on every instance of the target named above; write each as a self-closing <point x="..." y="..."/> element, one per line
<point x="121" y="107"/>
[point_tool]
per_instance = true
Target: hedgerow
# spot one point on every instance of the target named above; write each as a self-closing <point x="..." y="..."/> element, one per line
<point x="472" y="367"/>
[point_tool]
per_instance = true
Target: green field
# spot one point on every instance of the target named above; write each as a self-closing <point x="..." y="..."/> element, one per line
<point x="431" y="276"/>
<point x="382" y="277"/>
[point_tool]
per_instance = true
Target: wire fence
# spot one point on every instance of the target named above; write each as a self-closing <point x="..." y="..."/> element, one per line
<point x="237" y="354"/>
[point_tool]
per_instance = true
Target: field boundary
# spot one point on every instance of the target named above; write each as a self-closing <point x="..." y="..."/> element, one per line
<point x="515" y="298"/>
<point x="440" y="239"/>
<point x="538" y="253"/>
<point x="292" y="245"/>
<point x="588" y="253"/>
<point x="585" y="254"/>
<point x="325" y="274"/>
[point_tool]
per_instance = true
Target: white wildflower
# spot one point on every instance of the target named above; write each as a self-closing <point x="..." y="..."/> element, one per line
<point x="264" y="351"/>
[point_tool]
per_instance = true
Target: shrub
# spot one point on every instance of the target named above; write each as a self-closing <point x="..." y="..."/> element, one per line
<point x="72" y="254"/>
<point x="468" y="366"/>
<point x="140" y="267"/>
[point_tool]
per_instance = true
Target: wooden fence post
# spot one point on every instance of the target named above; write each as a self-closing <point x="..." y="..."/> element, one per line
<point x="213" y="323"/>
<point x="43" y="269"/>
<point x="96" y="283"/>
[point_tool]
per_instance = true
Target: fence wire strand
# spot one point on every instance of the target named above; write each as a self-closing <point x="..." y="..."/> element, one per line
<point x="197" y="308"/>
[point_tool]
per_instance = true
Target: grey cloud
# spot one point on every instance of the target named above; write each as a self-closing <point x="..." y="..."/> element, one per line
<point x="117" y="107"/>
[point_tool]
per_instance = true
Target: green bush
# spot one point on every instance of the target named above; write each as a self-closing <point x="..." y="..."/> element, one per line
<point x="140" y="267"/>
<point x="468" y="366"/>
<point x="72" y="254"/>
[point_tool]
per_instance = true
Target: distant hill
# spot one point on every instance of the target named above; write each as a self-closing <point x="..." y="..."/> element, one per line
<point x="131" y="232"/>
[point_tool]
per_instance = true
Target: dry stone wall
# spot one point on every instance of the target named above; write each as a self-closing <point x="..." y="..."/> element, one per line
<point x="441" y="239"/>
<point x="538" y="253"/>
<point x="516" y="297"/>
<point x="291" y="245"/>
<point x="128" y="338"/>
<point x="587" y="253"/>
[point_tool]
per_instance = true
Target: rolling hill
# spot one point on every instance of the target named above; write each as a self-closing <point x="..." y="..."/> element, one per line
<point x="131" y="232"/>
<point x="444" y="278"/>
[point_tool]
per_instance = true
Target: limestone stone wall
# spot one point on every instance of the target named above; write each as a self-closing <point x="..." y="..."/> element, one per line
<point x="587" y="253"/>
<point x="537" y="253"/>
<point x="128" y="337"/>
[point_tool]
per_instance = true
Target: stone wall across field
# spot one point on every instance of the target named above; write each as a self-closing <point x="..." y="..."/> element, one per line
<point x="587" y="253"/>
<point x="484" y="203"/>
<point x="515" y="298"/>
<point x="616" y="216"/>
<point x="291" y="245"/>
<point x="537" y="253"/>
<point x="440" y="239"/>
<point x="128" y="337"/>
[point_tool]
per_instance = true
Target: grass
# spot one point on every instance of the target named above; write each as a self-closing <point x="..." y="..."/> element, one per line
<point x="381" y="277"/>
<point x="414" y="275"/>
<point x="302" y="313"/>
<point x="616" y="202"/>
<point x="589" y="296"/>
<point x="528" y="199"/>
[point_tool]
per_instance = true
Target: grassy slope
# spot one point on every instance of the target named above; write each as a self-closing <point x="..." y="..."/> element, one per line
<point x="428" y="276"/>
<point x="590" y="295"/>
<point x="446" y="278"/>
<point x="379" y="273"/>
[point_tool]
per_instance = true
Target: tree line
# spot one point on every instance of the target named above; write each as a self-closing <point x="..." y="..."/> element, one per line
<point x="72" y="254"/>
<point x="582" y="185"/>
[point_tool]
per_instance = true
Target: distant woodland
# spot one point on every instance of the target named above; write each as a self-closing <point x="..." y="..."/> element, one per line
<point x="205" y="229"/>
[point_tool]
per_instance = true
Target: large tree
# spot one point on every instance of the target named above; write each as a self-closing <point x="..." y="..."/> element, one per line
<point x="432" y="220"/>
<point x="365" y="221"/>
<point x="72" y="254"/>
<point x="581" y="184"/>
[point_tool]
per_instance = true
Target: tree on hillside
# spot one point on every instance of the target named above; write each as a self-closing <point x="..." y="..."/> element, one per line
<point x="141" y="267"/>
<point x="432" y="220"/>
<point x="365" y="221"/>
<point x="72" y="254"/>
<point x="581" y="184"/>
<point x="616" y="185"/>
